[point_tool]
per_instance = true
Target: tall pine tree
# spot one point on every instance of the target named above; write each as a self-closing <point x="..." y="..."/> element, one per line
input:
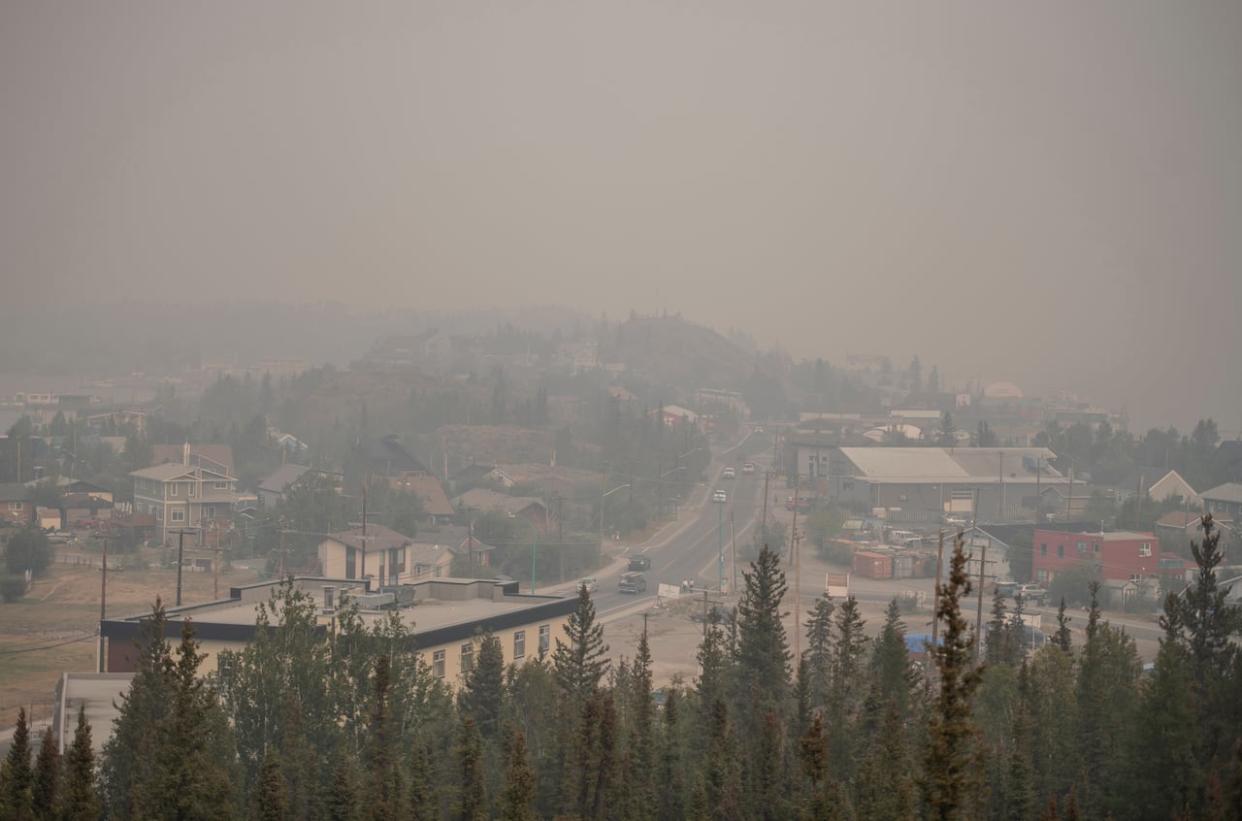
<point x="80" y="797"/>
<point x="46" y="788"/>
<point x="16" y="777"/>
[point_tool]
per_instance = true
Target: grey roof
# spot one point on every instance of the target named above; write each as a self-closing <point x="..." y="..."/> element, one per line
<point x="951" y="465"/>
<point x="279" y="480"/>
<point x="489" y="500"/>
<point x="1228" y="492"/>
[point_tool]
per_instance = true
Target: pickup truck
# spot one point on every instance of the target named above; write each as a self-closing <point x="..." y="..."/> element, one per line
<point x="632" y="583"/>
<point x="748" y="468"/>
<point x="1032" y="593"/>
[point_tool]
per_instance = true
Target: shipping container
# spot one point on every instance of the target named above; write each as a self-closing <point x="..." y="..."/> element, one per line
<point x="873" y="565"/>
<point x="903" y="566"/>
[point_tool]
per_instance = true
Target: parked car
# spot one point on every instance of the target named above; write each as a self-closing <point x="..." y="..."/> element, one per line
<point x="639" y="563"/>
<point x="1006" y="588"/>
<point x="720" y="497"/>
<point x="1031" y="593"/>
<point x="748" y="468"/>
<point x="632" y="583"/>
<point x="729" y="473"/>
<point x="804" y="504"/>
<point x="591" y="584"/>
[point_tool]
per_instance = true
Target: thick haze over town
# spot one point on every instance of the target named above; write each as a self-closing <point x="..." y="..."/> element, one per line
<point x="1045" y="193"/>
<point x="626" y="411"/>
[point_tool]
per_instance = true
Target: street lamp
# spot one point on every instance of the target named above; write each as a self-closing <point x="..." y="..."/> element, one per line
<point x="601" y="511"/>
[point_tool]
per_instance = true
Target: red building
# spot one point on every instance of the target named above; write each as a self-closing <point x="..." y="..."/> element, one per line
<point x="1120" y="556"/>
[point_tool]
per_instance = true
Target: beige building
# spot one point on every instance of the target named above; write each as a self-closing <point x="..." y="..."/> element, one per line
<point x="446" y="617"/>
<point x="184" y="496"/>
<point x="382" y="554"/>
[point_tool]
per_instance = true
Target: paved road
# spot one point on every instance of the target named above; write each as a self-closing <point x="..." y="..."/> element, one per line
<point x="693" y="552"/>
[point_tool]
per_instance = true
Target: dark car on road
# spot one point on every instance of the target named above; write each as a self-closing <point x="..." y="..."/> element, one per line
<point x="639" y="563"/>
<point x="632" y="583"/>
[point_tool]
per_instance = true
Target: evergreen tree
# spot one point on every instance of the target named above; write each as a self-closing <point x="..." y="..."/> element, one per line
<point x="385" y="793"/>
<point x="713" y="669"/>
<point x="421" y="803"/>
<point x="80" y="800"/>
<point x="191" y="777"/>
<point x="273" y="798"/>
<point x="519" y="795"/>
<point x="638" y="753"/>
<point x="16" y="777"/>
<point x="885" y="785"/>
<point x="1164" y="772"/>
<point x="1062" y="637"/>
<point x="813" y="756"/>
<point x="949" y="754"/>
<point x="819" y="651"/>
<point x="127" y="761"/>
<point x="46" y="786"/>
<point x="343" y="798"/>
<point x="582" y="662"/>
<point x="1020" y="789"/>
<point x="671" y="778"/>
<point x="762" y="654"/>
<point x="769" y="789"/>
<point x="472" y="802"/>
<point x="998" y="650"/>
<point x="483" y="692"/>
<point x="1210" y="620"/>
<point x="721" y="794"/>
<point x="845" y="697"/>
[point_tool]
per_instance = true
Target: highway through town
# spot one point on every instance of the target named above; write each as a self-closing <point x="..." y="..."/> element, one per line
<point x="692" y="551"/>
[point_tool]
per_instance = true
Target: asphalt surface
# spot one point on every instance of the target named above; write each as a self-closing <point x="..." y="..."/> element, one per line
<point x="693" y="551"/>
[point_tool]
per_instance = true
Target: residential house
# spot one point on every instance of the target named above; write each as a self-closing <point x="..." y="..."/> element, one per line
<point x="185" y="497"/>
<point x="673" y="415"/>
<point x="386" y="456"/>
<point x="47" y="518"/>
<point x="383" y="554"/>
<point x="1172" y="485"/>
<point x="76" y="508"/>
<point x="445" y="618"/>
<point x="1120" y="555"/>
<point x="469" y="476"/>
<point x="1224" y="502"/>
<point x="16" y="504"/>
<point x="88" y="489"/>
<point x="214" y="457"/>
<point x="273" y="487"/>
<point x="482" y="500"/>
<point x="436" y="504"/>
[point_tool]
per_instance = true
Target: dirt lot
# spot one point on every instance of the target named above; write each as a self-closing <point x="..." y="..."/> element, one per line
<point x="53" y="629"/>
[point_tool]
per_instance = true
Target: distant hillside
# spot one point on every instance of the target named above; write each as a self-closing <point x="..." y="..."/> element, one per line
<point x="669" y="350"/>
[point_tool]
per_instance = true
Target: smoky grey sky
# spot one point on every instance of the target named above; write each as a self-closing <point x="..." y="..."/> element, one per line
<point x="1045" y="192"/>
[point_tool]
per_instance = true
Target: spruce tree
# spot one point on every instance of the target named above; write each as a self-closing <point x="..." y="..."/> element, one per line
<point x="848" y="687"/>
<point x="519" y="794"/>
<point x="885" y="785"/>
<point x="893" y="675"/>
<point x="127" y="760"/>
<point x="997" y="649"/>
<point x="482" y="694"/>
<point x="819" y="651"/>
<point x="385" y="793"/>
<point x="191" y="778"/>
<point x="948" y="783"/>
<point x="769" y="789"/>
<point x="16" y="777"/>
<point x="713" y="669"/>
<point x="421" y="802"/>
<point x="342" y="801"/>
<point x="1062" y="638"/>
<point x="472" y="802"/>
<point x="80" y="798"/>
<point x="762" y="654"/>
<point x="46" y="787"/>
<point x="582" y="662"/>
<point x="721" y="777"/>
<point x="605" y="758"/>
<point x="671" y="779"/>
<point x="272" y="803"/>
<point x="813" y="757"/>
<point x="639" y="762"/>
<point x="1020" y="787"/>
<point x="1163" y="768"/>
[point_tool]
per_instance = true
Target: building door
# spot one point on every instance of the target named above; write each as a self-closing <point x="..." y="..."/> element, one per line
<point x="351" y="563"/>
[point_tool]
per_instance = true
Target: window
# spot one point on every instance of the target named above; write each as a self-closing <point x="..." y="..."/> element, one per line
<point x="437" y="663"/>
<point x="1043" y="550"/>
<point x="467" y="657"/>
<point x="1060" y="551"/>
<point x="1042" y="576"/>
<point x="15" y="506"/>
<point x="1145" y="549"/>
<point x="178" y="515"/>
<point x="221" y="485"/>
<point x="519" y="644"/>
<point x="192" y="491"/>
<point x="1096" y="546"/>
<point x="397" y="558"/>
<point x="545" y="639"/>
<point x="172" y="489"/>
<point x="1082" y="548"/>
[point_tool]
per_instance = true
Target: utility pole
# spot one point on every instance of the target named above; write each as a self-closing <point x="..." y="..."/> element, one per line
<point x="767" y="474"/>
<point x="983" y="561"/>
<point x="180" y="549"/>
<point x="720" y="572"/>
<point x="1000" y="456"/>
<point x="797" y="608"/>
<point x="366" y="584"/>
<point x="103" y="603"/>
<point x="936" y="594"/>
<point x="534" y="547"/>
<point x="733" y="538"/>
<point x="470" y="541"/>
<point x="1069" y="500"/>
<point x="1039" y="498"/>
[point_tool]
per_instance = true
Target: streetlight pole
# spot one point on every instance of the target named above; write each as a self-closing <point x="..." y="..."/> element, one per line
<point x="601" y="511"/>
<point x="720" y="547"/>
